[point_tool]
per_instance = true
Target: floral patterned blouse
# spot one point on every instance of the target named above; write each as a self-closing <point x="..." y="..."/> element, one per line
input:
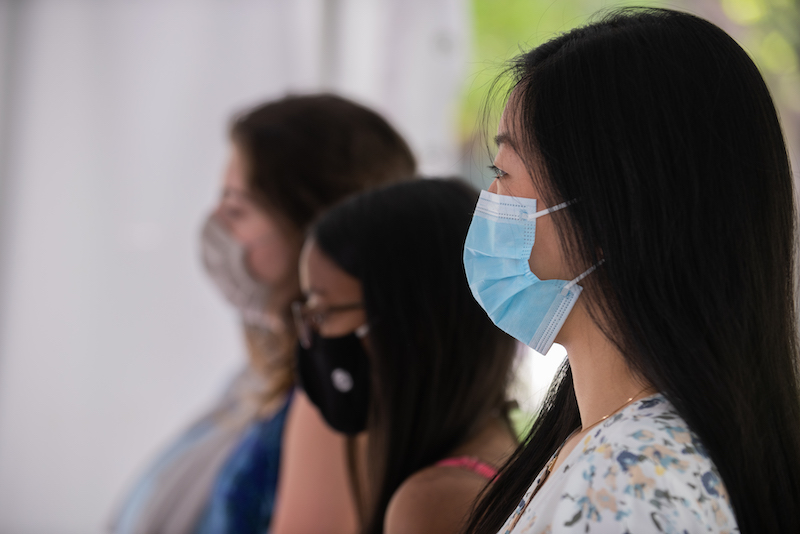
<point x="641" y="471"/>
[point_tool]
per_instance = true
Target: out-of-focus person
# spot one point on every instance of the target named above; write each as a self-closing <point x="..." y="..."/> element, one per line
<point x="395" y="353"/>
<point x="290" y="159"/>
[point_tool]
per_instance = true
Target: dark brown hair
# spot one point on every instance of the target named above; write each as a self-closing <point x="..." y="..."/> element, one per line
<point x="305" y="153"/>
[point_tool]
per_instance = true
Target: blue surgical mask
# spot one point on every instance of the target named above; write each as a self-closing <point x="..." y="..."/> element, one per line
<point x="496" y="253"/>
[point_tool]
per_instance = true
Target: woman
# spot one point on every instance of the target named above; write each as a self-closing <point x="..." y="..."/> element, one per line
<point x="394" y="349"/>
<point x="662" y="187"/>
<point x="290" y="159"/>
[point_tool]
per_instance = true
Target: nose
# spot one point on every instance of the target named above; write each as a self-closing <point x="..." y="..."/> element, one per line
<point x="493" y="186"/>
<point x="219" y="214"/>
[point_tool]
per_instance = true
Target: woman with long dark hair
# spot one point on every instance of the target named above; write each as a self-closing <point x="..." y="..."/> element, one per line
<point x="395" y="350"/>
<point x="643" y="217"/>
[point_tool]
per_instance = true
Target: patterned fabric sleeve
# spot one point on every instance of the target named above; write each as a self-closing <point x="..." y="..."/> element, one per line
<point x="623" y="491"/>
<point x="641" y="472"/>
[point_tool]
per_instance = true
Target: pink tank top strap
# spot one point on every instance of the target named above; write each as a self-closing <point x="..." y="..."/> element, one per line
<point x="472" y="464"/>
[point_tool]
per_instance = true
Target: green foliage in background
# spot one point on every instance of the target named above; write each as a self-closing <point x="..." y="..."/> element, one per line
<point x="502" y="29"/>
<point x="772" y="37"/>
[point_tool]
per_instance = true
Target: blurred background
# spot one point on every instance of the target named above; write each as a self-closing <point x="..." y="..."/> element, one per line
<point x="113" y="136"/>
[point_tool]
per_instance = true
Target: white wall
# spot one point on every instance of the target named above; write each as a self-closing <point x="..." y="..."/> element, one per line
<point x="112" y="138"/>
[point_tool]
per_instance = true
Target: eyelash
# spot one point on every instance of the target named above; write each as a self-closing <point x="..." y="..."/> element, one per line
<point x="498" y="172"/>
<point x="233" y="212"/>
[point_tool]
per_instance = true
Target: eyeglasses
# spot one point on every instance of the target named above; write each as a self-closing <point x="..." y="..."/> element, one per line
<point x="309" y="321"/>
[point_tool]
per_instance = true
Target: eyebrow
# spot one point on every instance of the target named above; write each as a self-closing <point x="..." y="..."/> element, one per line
<point x="503" y="138"/>
<point x="234" y="193"/>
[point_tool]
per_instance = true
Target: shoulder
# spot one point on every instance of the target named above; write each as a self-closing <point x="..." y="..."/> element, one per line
<point x="433" y="500"/>
<point x="646" y="470"/>
<point x="312" y="470"/>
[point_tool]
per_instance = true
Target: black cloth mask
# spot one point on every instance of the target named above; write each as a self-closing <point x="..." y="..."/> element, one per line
<point x="335" y="374"/>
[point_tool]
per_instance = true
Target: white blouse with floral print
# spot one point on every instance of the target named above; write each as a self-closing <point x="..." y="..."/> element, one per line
<point x="641" y="471"/>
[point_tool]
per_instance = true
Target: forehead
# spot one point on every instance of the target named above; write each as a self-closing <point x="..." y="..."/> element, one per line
<point x="234" y="179"/>
<point x="508" y="133"/>
<point x="321" y="276"/>
<point x="509" y="128"/>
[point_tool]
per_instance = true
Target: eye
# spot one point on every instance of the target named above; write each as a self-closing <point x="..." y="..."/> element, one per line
<point x="233" y="214"/>
<point x="317" y="318"/>
<point x="498" y="172"/>
<point x="313" y="317"/>
<point x="235" y="209"/>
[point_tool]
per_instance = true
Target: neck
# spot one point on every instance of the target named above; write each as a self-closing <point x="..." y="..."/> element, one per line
<point x="492" y="442"/>
<point x="601" y="376"/>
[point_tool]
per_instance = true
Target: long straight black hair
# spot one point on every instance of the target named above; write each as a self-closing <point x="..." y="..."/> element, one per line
<point x="440" y="368"/>
<point x="663" y="129"/>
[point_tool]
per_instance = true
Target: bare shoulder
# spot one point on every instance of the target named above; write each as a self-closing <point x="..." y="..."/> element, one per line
<point x="312" y="470"/>
<point x="434" y="500"/>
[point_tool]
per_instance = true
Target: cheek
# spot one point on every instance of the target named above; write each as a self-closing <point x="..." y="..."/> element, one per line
<point x="341" y="324"/>
<point x="247" y="227"/>
<point x="271" y="258"/>
<point x="546" y="259"/>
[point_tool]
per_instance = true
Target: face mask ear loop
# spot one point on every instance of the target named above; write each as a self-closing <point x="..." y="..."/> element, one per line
<point x="551" y="209"/>
<point x="581" y="276"/>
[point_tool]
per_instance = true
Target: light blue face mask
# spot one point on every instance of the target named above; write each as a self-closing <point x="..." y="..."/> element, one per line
<point x="496" y="253"/>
